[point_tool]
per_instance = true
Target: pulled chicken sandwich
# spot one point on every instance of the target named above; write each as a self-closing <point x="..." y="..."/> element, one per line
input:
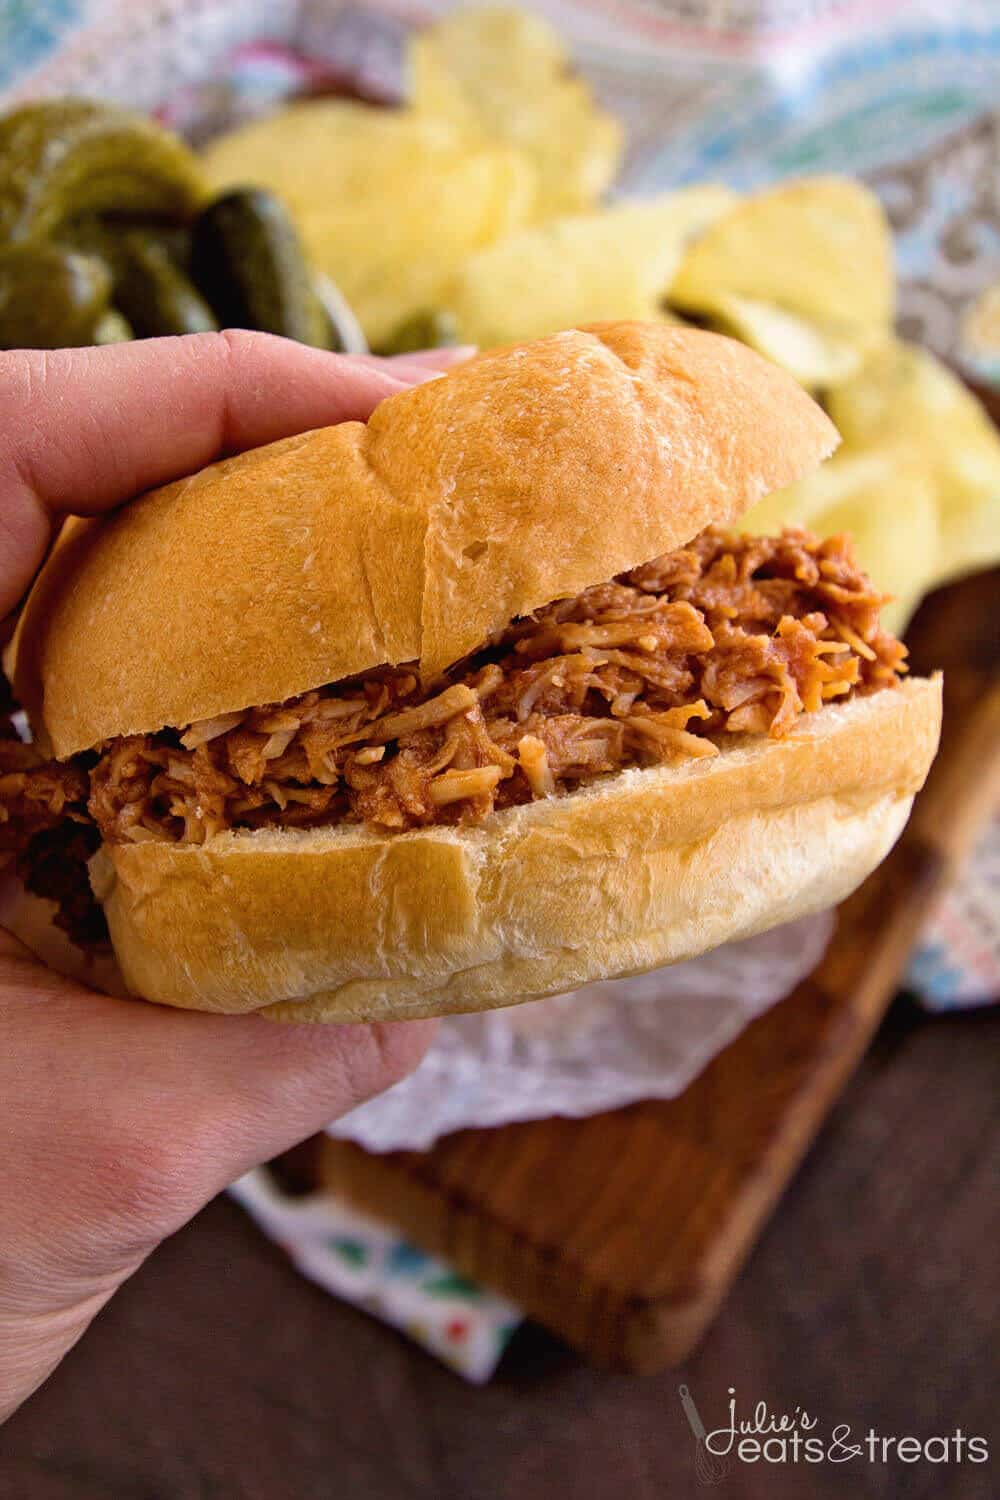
<point x="484" y="700"/>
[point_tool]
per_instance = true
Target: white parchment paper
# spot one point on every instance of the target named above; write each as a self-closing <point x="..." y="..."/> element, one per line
<point x="594" y="1049"/>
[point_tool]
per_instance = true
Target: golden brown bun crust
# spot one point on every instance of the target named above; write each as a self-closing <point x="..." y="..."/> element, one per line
<point x="525" y="475"/>
<point x="644" y="868"/>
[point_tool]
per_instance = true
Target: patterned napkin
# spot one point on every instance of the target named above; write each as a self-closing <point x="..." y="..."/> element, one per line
<point x="367" y="1263"/>
<point x="957" y="964"/>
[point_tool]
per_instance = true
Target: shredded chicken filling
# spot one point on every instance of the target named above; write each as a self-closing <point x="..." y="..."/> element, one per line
<point x="730" y="635"/>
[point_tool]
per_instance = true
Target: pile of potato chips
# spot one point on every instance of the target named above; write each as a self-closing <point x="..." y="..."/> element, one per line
<point x="392" y="203"/>
<point x="480" y="207"/>
<point x="803" y="272"/>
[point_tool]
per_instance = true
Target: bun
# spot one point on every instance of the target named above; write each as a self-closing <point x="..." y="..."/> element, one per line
<point x="643" y="868"/>
<point x="523" y="476"/>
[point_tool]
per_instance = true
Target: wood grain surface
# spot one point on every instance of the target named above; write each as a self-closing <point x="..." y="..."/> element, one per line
<point x="623" y="1232"/>
<point x="218" y="1373"/>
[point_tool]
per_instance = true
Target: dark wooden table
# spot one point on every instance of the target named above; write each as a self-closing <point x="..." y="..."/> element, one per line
<point x="872" y="1299"/>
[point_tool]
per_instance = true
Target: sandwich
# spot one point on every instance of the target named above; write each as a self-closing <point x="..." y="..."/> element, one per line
<point x="479" y="701"/>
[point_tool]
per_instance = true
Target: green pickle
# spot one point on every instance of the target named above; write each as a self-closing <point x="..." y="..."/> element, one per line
<point x="153" y="292"/>
<point x="247" y="259"/>
<point x="50" y="297"/>
<point x="63" y="158"/>
<point x="106" y="235"/>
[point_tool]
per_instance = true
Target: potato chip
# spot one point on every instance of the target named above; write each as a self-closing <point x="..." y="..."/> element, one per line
<point x="886" y="501"/>
<point x="893" y="521"/>
<point x="818" y="249"/>
<point x="322" y="149"/>
<point x="389" y="205"/>
<point x="503" y="75"/>
<point x="816" y="357"/>
<point x="905" y="397"/>
<point x="916" y="482"/>
<point x="613" y="263"/>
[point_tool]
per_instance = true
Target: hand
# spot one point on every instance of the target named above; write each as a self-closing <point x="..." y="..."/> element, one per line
<point x="121" y="1119"/>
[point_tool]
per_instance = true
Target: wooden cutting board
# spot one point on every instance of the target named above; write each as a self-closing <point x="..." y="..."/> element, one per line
<point x="622" y="1232"/>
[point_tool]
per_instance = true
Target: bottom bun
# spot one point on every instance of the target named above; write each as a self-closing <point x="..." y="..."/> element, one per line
<point x="643" y="868"/>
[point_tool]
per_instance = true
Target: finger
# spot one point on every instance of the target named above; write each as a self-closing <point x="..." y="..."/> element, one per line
<point x="84" y="429"/>
<point x="423" y="365"/>
<point x="415" y="372"/>
<point x="193" y="1100"/>
<point x="435" y="359"/>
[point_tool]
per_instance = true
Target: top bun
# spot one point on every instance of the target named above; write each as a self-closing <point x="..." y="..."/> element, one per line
<point x="523" y="476"/>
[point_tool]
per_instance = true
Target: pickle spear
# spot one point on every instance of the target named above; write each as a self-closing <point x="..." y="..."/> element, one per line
<point x="154" y="294"/>
<point x="61" y="158"/>
<point x="246" y="257"/>
<point x="106" y="237"/>
<point x="50" y="298"/>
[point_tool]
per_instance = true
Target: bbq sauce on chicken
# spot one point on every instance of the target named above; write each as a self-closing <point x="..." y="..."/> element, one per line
<point x="730" y="635"/>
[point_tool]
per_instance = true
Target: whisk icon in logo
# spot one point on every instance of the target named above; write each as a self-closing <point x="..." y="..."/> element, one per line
<point x="709" y="1467"/>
